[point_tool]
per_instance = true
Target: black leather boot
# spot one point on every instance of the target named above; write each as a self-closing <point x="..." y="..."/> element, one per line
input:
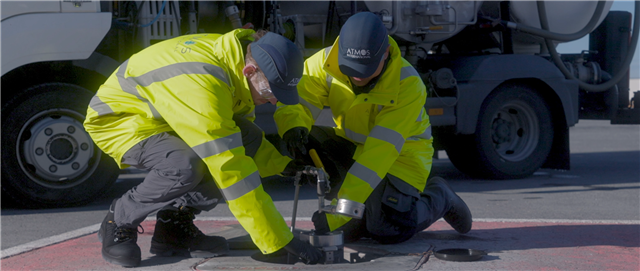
<point x="175" y="234"/>
<point x="442" y="201"/>
<point x="458" y="215"/>
<point x="119" y="244"/>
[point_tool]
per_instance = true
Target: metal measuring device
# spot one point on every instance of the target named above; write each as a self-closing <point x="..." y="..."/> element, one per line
<point x="332" y="243"/>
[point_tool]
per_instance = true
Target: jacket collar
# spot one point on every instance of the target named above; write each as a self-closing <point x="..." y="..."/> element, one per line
<point x="230" y="52"/>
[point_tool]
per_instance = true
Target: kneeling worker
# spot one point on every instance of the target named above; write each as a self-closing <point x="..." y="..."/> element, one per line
<point x="380" y="152"/>
<point x="184" y="109"/>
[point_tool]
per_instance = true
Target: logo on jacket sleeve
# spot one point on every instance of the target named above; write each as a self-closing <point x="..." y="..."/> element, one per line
<point x="294" y="82"/>
<point x="355" y="53"/>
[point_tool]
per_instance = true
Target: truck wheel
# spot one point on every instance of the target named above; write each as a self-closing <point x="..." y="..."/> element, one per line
<point x="48" y="159"/>
<point x="513" y="136"/>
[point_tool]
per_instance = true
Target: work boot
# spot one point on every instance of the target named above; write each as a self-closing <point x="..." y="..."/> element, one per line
<point x="118" y="243"/>
<point x="176" y="234"/>
<point x="458" y="215"/>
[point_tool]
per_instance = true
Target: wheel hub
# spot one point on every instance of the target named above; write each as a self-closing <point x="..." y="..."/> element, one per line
<point x="61" y="148"/>
<point x="502" y="131"/>
<point x="56" y="148"/>
<point x="514" y="131"/>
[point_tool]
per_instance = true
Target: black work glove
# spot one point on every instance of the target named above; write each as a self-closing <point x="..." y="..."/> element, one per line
<point x="304" y="250"/>
<point x="293" y="167"/>
<point x="320" y="223"/>
<point x="296" y="138"/>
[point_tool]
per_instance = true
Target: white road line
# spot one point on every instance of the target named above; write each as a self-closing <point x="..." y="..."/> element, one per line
<point x="49" y="241"/>
<point x="570" y="221"/>
<point x="574" y="221"/>
<point x="94" y="228"/>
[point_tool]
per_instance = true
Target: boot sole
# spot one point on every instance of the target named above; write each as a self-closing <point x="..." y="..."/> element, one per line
<point x="168" y="251"/>
<point x="122" y="261"/>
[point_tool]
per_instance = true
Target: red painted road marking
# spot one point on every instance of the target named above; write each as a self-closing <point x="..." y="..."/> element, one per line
<point x="511" y="246"/>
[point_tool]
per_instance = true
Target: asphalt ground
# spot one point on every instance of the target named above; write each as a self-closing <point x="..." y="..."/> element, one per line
<point x="587" y="218"/>
<point x="509" y="245"/>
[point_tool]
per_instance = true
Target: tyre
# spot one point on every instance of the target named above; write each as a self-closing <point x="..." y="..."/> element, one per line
<point x="513" y="136"/>
<point x="48" y="159"/>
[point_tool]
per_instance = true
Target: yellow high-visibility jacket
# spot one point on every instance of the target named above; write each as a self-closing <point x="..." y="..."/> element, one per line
<point x="193" y="85"/>
<point x="389" y="124"/>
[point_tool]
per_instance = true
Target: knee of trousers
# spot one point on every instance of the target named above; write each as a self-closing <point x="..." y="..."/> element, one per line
<point x="198" y="169"/>
<point x="189" y="168"/>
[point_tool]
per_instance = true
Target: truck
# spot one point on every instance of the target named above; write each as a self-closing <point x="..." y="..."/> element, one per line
<point x="501" y="98"/>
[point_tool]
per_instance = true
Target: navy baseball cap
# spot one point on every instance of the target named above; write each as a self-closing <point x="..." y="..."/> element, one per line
<point x="282" y="64"/>
<point x="363" y="41"/>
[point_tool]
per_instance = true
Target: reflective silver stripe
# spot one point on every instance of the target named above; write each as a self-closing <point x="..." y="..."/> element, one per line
<point x="407" y="72"/>
<point x="420" y="115"/>
<point x="158" y="75"/>
<point x="129" y="86"/>
<point x="425" y="135"/>
<point x="360" y="138"/>
<point x="326" y="52"/>
<point x="177" y="69"/>
<point x="124" y="84"/>
<point x="242" y="187"/>
<point x="218" y="146"/>
<point x="329" y="77"/>
<point x="154" y="112"/>
<point x="99" y="106"/>
<point x="315" y="112"/>
<point x="388" y="135"/>
<point x="365" y="174"/>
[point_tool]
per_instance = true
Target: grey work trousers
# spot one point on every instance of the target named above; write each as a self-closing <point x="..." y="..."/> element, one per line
<point x="177" y="175"/>
<point x="384" y="220"/>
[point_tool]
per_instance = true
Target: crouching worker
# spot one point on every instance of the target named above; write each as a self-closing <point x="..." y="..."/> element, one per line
<point x="380" y="152"/>
<point x="183" y="109"/>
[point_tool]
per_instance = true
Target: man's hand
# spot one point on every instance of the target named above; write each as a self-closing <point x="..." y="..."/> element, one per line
<point x="304" y="250"/>
<point x="293" y="167"/>
<point x="320" y="223"/>
<point x="295" y="139"/>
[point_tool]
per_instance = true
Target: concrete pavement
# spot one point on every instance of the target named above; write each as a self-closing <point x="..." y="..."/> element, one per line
<point x="509" y="244"/>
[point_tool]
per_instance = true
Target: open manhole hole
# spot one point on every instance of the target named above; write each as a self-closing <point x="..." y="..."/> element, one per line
<point x="335" y="252"/>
